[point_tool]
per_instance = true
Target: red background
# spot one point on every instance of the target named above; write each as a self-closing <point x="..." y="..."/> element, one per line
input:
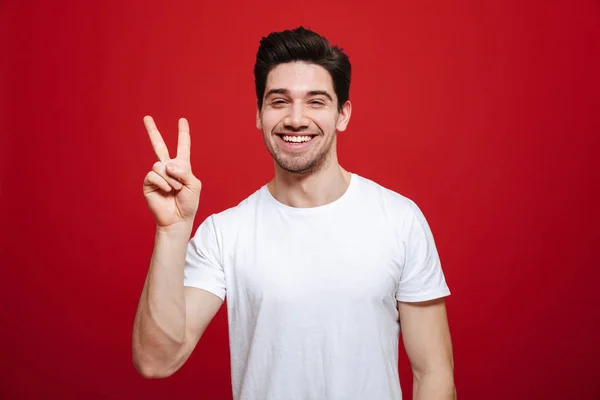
<point x="484" y="113"/>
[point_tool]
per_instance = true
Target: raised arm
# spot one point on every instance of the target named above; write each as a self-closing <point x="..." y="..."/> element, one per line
<point x="426" y="337"/>
<point x="170" y="319"/>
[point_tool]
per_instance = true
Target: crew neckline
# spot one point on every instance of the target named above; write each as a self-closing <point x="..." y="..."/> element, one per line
<point x="318" y="209"/>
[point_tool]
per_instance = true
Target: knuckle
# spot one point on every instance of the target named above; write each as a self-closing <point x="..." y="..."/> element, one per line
<point x="181" y="163"/>
<point x="151" y="176"/>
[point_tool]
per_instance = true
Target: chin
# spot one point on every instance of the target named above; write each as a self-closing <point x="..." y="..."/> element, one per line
<point x="300" y="172"/>
<point x="303" y="169"/>
<point x="295" y="169"/>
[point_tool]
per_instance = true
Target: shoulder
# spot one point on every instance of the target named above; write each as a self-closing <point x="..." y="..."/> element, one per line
<point x="391" y="202"/>
<point x="239" y="214"/>
<point x="399" y="213"/>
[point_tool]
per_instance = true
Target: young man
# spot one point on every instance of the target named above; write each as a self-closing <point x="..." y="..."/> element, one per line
<point x="320" y="266"/>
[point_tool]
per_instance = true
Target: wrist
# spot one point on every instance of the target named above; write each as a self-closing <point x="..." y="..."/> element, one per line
<point x="176" y="229"/>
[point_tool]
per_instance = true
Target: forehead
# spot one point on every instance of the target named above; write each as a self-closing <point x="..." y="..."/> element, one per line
<point x="299" y="77"/>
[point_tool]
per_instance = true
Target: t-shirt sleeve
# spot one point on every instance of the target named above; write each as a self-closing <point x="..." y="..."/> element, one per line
<point x="422" y="277"/>
<point x="203" y="265"/>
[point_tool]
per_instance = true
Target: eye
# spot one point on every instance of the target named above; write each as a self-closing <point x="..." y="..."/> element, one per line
<point x="317" y="103"/>
<point x="277" y="102"/>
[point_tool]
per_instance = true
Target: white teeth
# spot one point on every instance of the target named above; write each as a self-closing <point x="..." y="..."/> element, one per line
<point x="297" y="139"/>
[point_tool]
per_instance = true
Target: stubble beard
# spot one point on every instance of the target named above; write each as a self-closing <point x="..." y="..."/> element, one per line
<point x="303" y="165"/>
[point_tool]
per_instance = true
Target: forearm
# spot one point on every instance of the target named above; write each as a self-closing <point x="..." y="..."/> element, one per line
<point x="159" y="327"/>
<point x="434" y="386"/>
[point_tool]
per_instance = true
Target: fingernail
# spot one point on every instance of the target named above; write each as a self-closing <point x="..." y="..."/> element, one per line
<point x="171" y="168"/>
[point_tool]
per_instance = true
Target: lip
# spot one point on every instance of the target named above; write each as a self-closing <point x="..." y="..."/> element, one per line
<point x="295" y="146"/>
<point x="296" y="133"/>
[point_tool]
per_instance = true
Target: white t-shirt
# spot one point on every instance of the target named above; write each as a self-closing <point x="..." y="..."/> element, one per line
<point x="312" y="292"/>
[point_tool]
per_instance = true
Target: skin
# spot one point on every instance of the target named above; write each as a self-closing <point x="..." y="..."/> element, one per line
<point x="310" y="177"/>
<point x="170" y="318"/>
<point x="427" y="342"/>
<point x="299" y="98"/>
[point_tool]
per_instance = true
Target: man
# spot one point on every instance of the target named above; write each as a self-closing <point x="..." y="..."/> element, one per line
<point x="320" y="266"/>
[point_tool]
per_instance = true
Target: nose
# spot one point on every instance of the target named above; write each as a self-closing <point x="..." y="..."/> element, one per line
<point x="296" y="118"/>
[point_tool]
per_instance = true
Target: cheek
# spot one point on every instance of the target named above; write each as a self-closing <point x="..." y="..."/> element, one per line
<point x="326" y="124"/>
<point x="269" y="121"/>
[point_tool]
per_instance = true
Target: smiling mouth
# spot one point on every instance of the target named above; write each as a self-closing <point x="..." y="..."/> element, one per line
<point x="296" y="138"/>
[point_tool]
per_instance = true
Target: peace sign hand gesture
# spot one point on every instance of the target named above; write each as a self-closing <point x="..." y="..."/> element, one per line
<point x="171" y="190"/>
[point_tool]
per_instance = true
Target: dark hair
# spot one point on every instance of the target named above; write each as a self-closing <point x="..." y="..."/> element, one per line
<point x="301" y="44"/>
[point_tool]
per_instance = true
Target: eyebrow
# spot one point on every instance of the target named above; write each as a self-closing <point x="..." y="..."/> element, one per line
<point x="310" y="93"/>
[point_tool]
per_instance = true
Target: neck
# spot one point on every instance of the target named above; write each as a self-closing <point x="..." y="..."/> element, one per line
<point x="316" y="189"/>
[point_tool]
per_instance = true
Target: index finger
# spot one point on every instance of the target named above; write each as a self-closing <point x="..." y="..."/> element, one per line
<point x="184" y="140"/>
<point x="160" y="148"/>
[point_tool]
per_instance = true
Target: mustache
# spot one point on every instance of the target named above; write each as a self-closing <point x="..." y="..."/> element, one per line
<point x="290" y="129"/>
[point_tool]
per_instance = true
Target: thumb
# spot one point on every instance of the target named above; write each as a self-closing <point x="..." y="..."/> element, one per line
<point x="183" y="174"/>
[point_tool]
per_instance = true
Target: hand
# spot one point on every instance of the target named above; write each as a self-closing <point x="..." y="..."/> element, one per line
<point x="171" y="190"/>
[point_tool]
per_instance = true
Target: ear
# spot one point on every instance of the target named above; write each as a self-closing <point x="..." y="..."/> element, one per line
<point x="344" y="117"/>
<point x="258" y="120"/>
